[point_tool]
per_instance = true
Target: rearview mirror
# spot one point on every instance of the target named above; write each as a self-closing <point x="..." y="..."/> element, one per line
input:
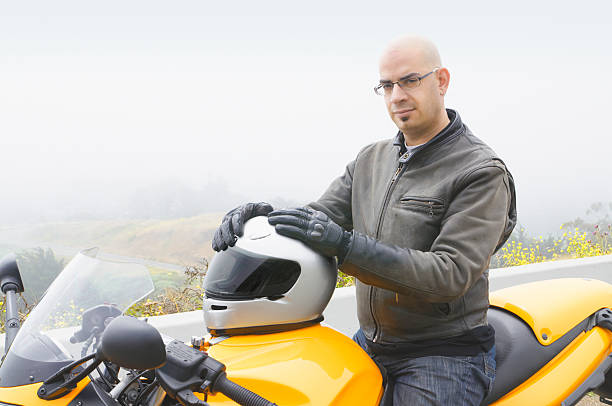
<point x="132" y="343"/>
<point x="10" y="279"/>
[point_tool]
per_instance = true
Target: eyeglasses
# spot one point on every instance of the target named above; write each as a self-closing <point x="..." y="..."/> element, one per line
<point x="407" y="82"/>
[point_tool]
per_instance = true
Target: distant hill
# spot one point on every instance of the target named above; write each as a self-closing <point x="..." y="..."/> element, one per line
<point x="180" y="241"/>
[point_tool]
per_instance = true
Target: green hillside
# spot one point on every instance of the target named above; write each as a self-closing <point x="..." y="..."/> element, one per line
<point x="180" y="241"/>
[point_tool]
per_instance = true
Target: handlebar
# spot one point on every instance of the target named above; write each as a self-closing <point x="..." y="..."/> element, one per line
<point x="188" y="370"/>
<point x="239" y="394"/>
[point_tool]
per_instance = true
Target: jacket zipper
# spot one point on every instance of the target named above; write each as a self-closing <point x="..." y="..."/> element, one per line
<point x="429" y="204"/>
<point x="379" y="225"/>
<point x="422" y="200"/>
<point x="397" y="173"/>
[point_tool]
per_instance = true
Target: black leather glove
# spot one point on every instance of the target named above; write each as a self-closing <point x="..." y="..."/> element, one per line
<point x="232" y="225"/>
<point x="314" y="228"/>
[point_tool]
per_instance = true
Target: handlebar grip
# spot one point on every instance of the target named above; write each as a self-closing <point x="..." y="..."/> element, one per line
<point x="238" y="394"/>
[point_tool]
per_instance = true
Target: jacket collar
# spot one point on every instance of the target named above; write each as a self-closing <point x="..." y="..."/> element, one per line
<point x="454" y="127"/>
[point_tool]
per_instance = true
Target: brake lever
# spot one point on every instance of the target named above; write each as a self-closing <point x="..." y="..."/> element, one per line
<point x="188" y="398"/>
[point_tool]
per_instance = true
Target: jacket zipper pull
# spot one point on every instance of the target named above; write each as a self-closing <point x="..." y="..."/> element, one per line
<point x="399" y="168"/>
<point x="431" y="213"/>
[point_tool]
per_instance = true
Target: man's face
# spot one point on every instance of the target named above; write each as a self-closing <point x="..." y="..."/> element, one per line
<point x="415" y="110"/>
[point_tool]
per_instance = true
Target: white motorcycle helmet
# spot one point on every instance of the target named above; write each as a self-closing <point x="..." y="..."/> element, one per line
<point x="266" y="283"/>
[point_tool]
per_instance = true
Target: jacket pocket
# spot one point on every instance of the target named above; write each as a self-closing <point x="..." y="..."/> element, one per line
<point x="429" y="205"/>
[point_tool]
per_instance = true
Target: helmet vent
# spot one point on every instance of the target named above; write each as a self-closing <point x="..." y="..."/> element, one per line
<point x="217" y="307"/>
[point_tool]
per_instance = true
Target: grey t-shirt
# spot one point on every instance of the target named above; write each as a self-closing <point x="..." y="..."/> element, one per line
<point x="410" y="149"/>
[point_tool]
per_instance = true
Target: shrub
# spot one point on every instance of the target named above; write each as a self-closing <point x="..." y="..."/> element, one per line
<point x="185" y="298"/>
<point x="522" y="250"/>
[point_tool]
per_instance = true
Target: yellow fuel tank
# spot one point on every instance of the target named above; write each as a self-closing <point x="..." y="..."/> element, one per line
<point x="311" y="366"/>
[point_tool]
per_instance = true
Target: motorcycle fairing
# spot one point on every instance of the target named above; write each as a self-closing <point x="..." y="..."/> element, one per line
<point x="27" y="370"/>
<point x="26" y="395"/>
<point x="552" y="308"/>
<point x="594" y="381"/>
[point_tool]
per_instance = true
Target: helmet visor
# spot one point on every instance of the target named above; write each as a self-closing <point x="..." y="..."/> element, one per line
<point x="237" y="274"/>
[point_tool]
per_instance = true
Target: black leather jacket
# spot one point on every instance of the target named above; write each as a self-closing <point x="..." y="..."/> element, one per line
<point x="425" y="227"/>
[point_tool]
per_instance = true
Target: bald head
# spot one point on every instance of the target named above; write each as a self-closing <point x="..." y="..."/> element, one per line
<point x="421" y="49"/>
<point x="414" y="84"/>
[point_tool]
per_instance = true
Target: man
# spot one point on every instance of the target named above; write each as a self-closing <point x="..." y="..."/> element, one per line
<point x="416" y="220"/>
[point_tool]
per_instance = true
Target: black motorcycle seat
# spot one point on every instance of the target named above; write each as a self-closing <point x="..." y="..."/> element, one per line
<point x="519" y="355"/>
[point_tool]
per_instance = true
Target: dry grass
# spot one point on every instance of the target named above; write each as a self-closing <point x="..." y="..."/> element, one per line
<point x="180" y="241"/>
<point x="590" y="400"/>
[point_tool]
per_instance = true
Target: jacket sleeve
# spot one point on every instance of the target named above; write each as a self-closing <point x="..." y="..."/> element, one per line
<point x="336" y="201"/>
<point x="471" y="229"/>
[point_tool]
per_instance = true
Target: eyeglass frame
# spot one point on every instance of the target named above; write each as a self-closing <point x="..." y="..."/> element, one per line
<point x="397" y="82"/>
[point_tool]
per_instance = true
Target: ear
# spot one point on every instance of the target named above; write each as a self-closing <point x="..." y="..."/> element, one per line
<point x="443" y="80"/>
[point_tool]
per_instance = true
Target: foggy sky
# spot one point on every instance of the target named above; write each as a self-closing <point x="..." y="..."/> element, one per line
<point x="104" y="101"/>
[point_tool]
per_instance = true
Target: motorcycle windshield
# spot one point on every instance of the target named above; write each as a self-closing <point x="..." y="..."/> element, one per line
<point x="70" y="318"/>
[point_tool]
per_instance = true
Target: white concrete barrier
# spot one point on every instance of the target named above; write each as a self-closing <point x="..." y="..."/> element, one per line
<point x="599" y="268"/>
<point x="341" y="312"/>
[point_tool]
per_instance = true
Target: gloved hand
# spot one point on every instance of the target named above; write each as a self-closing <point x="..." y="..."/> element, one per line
<point x="314" y="228"/>
<point x="232" y="225"/>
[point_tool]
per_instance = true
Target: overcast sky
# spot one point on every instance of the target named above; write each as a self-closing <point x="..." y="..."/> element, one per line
<point x="275" y="98"/>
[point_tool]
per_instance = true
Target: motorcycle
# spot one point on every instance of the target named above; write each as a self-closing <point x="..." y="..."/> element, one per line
<point x="77" y="347"/>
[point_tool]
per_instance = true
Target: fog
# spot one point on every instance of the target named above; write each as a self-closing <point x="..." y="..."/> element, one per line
<point x="149" y="108"/>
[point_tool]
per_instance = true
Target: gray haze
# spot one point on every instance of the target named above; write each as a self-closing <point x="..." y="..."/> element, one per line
<point x="151" y="108"/>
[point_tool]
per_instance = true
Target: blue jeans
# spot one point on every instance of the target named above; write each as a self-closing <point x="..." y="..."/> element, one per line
<point x="435" y="380"/>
